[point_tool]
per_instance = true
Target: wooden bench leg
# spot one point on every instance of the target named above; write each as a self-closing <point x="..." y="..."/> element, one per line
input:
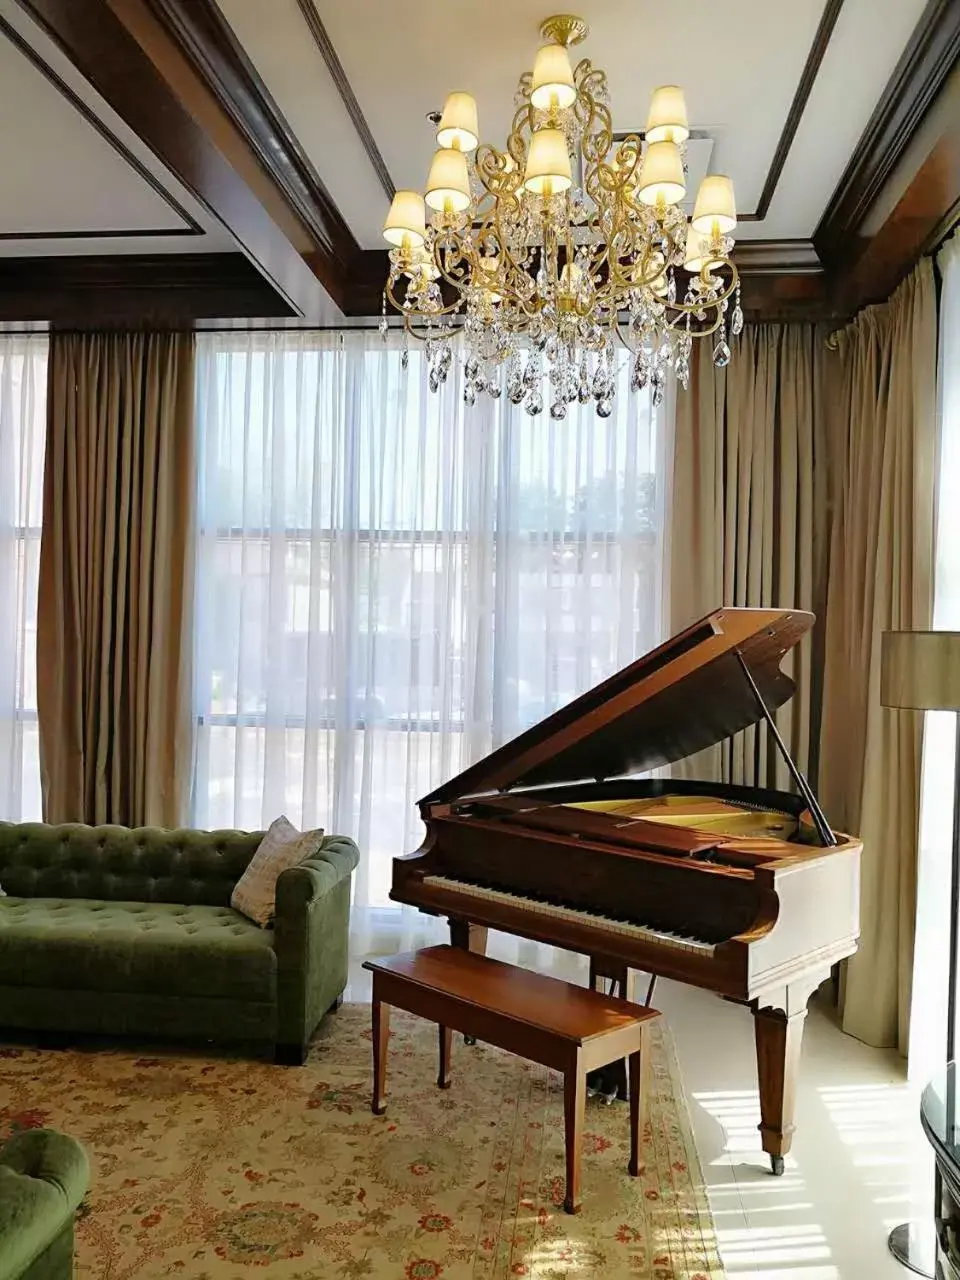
<point x="446" y="1044"/>
<point x="574" y="1104"/>
<point x="635" y="1065"/>
<point x="381" y="1034"/>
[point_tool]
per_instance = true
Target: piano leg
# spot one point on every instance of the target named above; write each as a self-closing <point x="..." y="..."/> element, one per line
<point x="778" y="1023"/>
<point x="471" y="937"/>
<point x="624" y="978"/>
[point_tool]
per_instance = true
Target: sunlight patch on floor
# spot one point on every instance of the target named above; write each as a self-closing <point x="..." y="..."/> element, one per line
<point x="766" y="1246"/>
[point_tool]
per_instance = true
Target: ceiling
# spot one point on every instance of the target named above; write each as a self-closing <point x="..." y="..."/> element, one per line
<point x="76" y="179"/>
<point x="255" y="159"/>
<point x="740" y="65"/>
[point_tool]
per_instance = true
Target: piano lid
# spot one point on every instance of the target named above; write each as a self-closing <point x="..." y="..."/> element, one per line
<point x="680" y="698"/>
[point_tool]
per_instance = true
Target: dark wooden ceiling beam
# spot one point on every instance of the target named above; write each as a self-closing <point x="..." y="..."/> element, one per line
<point x="135" y="64"/>
<point x="141" y="291"/>
<point x="209" y="41"/>
<point x="917" y="79"/>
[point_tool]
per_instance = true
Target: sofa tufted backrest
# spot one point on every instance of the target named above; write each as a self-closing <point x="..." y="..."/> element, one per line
<point x="123" y="864"/>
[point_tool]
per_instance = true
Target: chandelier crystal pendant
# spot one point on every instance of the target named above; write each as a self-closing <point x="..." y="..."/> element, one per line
<point x="565" y="249"/>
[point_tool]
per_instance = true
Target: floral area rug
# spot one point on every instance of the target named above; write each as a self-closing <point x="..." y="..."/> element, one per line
<point x="217" y="1168"/>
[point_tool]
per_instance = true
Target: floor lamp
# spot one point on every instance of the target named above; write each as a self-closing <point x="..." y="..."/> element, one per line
<point x="921" y="670"/>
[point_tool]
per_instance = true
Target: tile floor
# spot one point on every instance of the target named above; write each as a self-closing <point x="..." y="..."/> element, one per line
<point x="859" y="1164"/>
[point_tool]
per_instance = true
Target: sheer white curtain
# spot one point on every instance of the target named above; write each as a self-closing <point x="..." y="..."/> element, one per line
<point x="928" y="1012"/>
<point x="23" y="399"/>
<point x="391" y="584"/>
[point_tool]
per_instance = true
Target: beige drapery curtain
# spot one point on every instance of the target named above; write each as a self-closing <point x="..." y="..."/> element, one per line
<point x="882" y="382"/>
<point x="115" y="590"/>
<point x="749" y="518"/>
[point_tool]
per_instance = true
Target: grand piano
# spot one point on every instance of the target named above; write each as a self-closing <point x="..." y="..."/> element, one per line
<point x="557" y="836"/>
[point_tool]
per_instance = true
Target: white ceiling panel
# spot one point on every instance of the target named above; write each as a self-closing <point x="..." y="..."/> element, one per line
<point x="740" y="65"/>
<point x="75" y="177"/>
<point x="867" y="42"/>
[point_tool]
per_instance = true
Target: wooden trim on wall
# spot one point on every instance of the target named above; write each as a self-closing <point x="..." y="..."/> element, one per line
<point x="349" y="98"/>
<point x="919" y="76"/>
<point x="777" y="257"/>
<point x="923" y="215"/>
<point x="148" y="291"/>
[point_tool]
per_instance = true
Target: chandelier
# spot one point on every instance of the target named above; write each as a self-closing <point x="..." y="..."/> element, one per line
<point x="565" y="249"/>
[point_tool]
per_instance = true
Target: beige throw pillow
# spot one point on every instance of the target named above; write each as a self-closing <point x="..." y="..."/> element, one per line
<point x="255" y="893"/>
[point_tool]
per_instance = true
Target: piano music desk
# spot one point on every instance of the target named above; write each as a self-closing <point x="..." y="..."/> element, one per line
<point x="557" y="1024"/>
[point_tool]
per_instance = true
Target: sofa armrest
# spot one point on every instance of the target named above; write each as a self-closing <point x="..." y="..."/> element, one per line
<point x="43" y="1177"/>
<point x="311" y="937"/>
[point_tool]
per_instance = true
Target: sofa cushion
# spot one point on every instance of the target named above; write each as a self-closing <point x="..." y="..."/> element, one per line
<point x="282" y="847"/>
<point x="158" y="948"/>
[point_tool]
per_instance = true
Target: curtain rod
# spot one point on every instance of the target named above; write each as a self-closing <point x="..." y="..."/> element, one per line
<point x="931" y="249"/>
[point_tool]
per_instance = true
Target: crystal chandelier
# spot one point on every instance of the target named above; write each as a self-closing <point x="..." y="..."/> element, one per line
<point x="567" y="247"/>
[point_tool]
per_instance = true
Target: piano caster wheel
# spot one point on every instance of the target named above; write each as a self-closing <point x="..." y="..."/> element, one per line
<point x="776" y="1166"/>
<point x="469" y="1039"/>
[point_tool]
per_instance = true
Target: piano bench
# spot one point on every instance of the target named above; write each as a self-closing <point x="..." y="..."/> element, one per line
<point x="572" y="1029"/>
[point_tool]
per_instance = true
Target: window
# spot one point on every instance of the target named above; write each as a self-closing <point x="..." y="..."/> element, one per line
<point x="23" y="383"/>
<point x="390" y="585"/>
<point x="928" y="1013"/>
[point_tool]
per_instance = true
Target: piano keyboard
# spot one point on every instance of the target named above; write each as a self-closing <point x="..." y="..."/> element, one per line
<point x="626" y="928"/>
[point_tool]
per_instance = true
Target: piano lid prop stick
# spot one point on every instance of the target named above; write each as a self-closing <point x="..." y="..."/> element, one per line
<point x="824" y="831"/>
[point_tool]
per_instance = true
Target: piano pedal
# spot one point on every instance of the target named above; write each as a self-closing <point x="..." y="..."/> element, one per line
<point x="604" y="1085"/>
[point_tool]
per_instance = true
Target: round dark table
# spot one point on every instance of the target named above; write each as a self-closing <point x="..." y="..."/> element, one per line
<point x="941" y="1123"/>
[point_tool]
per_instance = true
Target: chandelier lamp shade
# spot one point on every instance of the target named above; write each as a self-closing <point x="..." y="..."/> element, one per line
<point x="569" y="250"/>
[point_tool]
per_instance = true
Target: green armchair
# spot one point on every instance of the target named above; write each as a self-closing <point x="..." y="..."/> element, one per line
<point x="130" y="931"/>
<point x="43" y="1178"/>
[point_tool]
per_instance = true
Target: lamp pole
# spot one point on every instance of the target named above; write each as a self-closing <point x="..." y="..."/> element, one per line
<point x="921" y="670"/>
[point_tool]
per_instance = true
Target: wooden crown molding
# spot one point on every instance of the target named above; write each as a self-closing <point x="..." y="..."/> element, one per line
<point x="139" y="69"/>
<point x="917" y="79"/>
<point x="208" y="40"/>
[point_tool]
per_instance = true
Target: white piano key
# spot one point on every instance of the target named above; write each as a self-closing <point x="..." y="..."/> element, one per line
<point x="627" y="928"/>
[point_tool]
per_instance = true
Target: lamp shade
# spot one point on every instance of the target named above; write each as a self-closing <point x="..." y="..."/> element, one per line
<point x="548" y="163"/>
<point x="661" y="175"/>
<point x="448" y="186"/>
<point x="667" y="121"/>
<point x="406" y="221"/>
<point x="458" y="126"/>
<point x="693" y="255"/>
<point x="716" y="208"/>
<point x="552" y="84"/>
<point x="920" y="669"/>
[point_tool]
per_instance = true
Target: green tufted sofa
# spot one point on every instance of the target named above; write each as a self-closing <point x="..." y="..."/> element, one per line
<point x="43" y="1178"/>
<point x="130" y="931"/>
